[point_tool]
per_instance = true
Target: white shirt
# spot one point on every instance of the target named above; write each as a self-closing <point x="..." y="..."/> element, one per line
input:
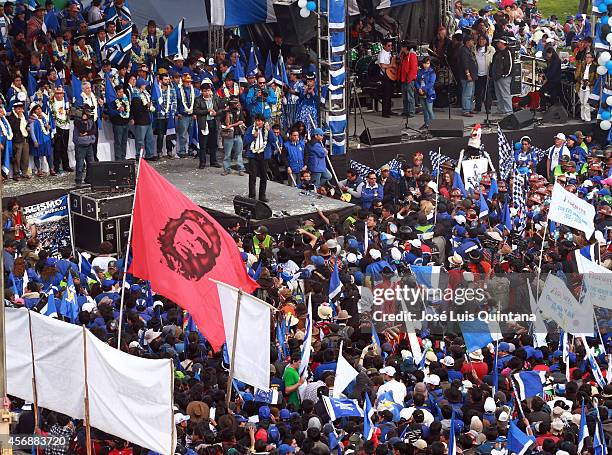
<point x="585" y="76"/>
<point x="555" y="153"/>
<point x="398" y="390"/>
<point x="481" y="60"/>
<point x="384" y="57"/>
<point x="102" y="262"/>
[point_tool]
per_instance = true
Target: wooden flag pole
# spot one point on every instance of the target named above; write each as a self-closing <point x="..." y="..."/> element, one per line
<point x="87" y="422"/>
<point x="34" y="390"/>
<point x="126" y="257"/>
<point x="230" y="378"/>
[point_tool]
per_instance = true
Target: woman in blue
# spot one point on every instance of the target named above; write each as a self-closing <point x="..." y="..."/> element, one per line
<point x="40" y="139"/>
<point x="49" y="276"/>
<point x="307" y="107"/>
<point x="426" y="78"/>
<point x="6" y="140"/>
<point x="294" y="156"/>
<point x="316" y="154"/>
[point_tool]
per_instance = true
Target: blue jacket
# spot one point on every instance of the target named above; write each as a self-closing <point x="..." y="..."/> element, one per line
<point x="369" y="194"/>
<point x="256" y="105"/>
<point x="316" y="157"/>
<point x="295" y="155"/>
<point x="425" y="80"/>
<point x="249" y="138"/>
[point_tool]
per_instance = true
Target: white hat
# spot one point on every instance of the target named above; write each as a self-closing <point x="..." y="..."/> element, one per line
<point x="489" y="405"/>
<point x="557" y="425"/>
<point x="476" y="355"/>
<point x="503" y="416"/>
<point x="89" y="306"/>
<point x="351" y="258"/>
<point x="406" y="354"/>
<point x="560" y="136"/>
<point x="134" y="345"/>
<point x="158" y="303"/>
<point x="455" y="259"/>
<point x="448" y="361"/>
<point x="396" y="254"/>
<point x="389" y="371"/>
<point x="151" y="335"/>
<point x="495" y="235"/>
<point x="375" y="254"/>
<point x="324" y="311"/>
<point x="433" y="185"/>
<point x="432" y="379"/>
<point x="460" y="219"/>
<point x="211" y="62"/>
<point x="332" y="244"/>
<point x="415" y="243"/>
<point x="420" y="444"/>
<point x="180" y="418"/>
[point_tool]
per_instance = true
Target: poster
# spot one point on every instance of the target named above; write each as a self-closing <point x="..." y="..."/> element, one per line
<point x="473" y="171"/>
<point x="51" y="220"/>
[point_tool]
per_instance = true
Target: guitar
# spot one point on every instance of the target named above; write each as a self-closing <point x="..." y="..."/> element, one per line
<point x="391" y="70"/>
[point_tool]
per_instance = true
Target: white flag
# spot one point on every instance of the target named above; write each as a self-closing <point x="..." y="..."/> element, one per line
<point x="307" y="346"/>
<point x="345" y="374"/>
<point x="539" y="328"/>
<point x="568" y="209"/>
<point x="252" y="357"/>
<point x="558" y="304"/>
<point x="597" y="281"/>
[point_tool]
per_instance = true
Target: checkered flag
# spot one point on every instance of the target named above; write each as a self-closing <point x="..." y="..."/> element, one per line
<point x="437" y="159"/>
<point x="539" y="154"/>
<point x="395" y="165"/>
<point x="518" y="198"/>
<point x="361" y="169"/>
<point x="506" y="157"/>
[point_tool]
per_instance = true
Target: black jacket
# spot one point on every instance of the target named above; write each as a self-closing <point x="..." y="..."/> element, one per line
<point x="140" y="112"/>
<point x="468" y="62"/>
<point x="13" y="120"/>
<point x="502" y="64"/>
<point x="200" y="109"/>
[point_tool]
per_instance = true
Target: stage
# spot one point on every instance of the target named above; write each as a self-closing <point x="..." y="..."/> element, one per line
<point x="206" y="188"/>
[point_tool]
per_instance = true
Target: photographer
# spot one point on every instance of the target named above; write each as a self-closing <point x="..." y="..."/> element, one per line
<point x="585" y="75"/>
<point x="260" y="99"/>
<point x="84" y="137"/>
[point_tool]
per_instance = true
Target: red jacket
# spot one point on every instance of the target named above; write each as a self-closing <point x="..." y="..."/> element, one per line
<point x="408" y="67"/>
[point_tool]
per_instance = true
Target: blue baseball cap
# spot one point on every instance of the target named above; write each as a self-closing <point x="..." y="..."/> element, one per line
<point x="108" y="283"/>
<point x="284" y="414"/>
<point x="284" y="449"/>
<point x="318" y="261"/>
<point x="264" y="413"/>
<point x="318" y="132"/>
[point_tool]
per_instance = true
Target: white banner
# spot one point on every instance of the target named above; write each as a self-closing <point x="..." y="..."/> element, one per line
<point x="558" y="304"/>
<point x="252" y="358"/>
<point x="597" y="282"/>
<point x="473" y="171"/>
<point x="568" y="209"/>
<point x="129" y="397"/>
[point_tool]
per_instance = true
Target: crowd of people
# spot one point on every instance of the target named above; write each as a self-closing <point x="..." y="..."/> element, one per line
<point x="493" y="234"/>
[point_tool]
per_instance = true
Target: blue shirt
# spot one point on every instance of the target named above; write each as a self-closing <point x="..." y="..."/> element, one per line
<point x="295" y="155"/>
<point x="316" y="157"/>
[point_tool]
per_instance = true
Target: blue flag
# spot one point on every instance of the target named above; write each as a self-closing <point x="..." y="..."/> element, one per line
<point x="342" y="407"/>
<point x="506" y="218"/>
<point x="458" y="183"/>
<point x="156" y="94"/>
<point x="495" y="369"/>
<point x="32" y="84"/>
<point x="368" y="424"/>
<point x="77" y="91"/>
<point x="239" y="72"/>
<point x="174" y="42"/>
<point x="426" y="275"/>
<point x="595" y="370"/>
<point x="483" y="206"/>
<point x="518" y="442"/>
<point x="69" y="307"/>
<point x="109" y="92"/>
<point x="50" y="309"/>
<point x="583" y="431"/>
<point x="281" y="71"/>
<point x="32" y="5"/>
<point x="452" y="443"/>
<point x="269" y="69"/>
<point x="476" y="334"/>
<point x="529" y="384"/>
<point x="493" y="189"/>
<point x="253" y="62"/>
<point x="335" y="285"/>
<point x="51" y="24"/>
<point x="387" y="402"/>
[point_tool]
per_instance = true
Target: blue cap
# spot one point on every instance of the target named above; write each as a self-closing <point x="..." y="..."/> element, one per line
<point x="264" y="413"/>
<point x="318" y="261"/>
<point x="252" y="73"/>
<point x="503" y="347"/>
<point x="284" y="414"/>
<point x="488" y="8"/>
<point x="135" y="288"/>
<point x="318" y="131"/>
<point x="460" y="231"/>
<point x="108" y="283"/>
<point x="358" y="278"/>
<point x="247" y="396"/>
<point x="50" y="262"/>
<point x="140" y="82"/>
<point x="284" y="449"/>
<point x="240" y="418"/>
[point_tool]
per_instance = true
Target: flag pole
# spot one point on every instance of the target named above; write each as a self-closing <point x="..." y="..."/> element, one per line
<point x="327" y="155"/>
<point x="437" y="185"/>
<point x="540" y="261"/>
<point x="230" y="378"/>
<point x="34" y="389"/>
<point x="125" y="259"/>
<point x="86" y="400"/>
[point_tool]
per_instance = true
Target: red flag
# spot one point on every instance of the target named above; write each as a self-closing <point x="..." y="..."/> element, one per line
<point x="179" y="247"/>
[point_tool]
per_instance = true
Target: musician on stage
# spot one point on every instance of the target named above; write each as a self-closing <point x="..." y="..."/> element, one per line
<point x="409" y="65"/>
<point x="384" y="61"/>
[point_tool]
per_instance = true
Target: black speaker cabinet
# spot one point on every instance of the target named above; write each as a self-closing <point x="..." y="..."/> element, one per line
<point x="89" y="233"/>
<point x="381" y="135"/>
<point x="251" y="208"/>
<point x="517" y="120"/>
<point x="446" y="128"/>
<point x="556" y="114"/>
<point x="112" y="175"/>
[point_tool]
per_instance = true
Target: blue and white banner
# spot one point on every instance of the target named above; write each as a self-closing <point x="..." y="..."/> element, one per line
<point x="342" y="407"/>
<point x="391" y="3"/>
<point x="231" y="13"/>
<point x="51" y="220"/>
<point x="266" y="396"/>
<point x="529" y="384"/>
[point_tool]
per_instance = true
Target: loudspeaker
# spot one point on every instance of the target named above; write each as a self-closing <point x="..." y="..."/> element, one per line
<point x="295" y="30"/>
<point x="446" y="128"/>
<point x="112" y="175"/>
<point x="251" y="209"/>
<point x="381" y="135"/>
<point x="556" y="114"/>
<point x="89" y="233"/>
<point x="517" y="120"/>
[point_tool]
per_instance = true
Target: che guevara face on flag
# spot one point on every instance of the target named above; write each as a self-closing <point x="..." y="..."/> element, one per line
<point x="190" y="245"/>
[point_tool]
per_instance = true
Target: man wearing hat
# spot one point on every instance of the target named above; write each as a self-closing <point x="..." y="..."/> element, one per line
<point x="60" y="109"/>
<point x="554" y="154"/>
<point x="501" y="71"/>
<point x="258" y="142"/>
<point x="205" y="108"/>
<point x="141" y="108"/>
<point x="186" y="95"/>
<point x="167" y="109"/>
<point x="21" y="152"/>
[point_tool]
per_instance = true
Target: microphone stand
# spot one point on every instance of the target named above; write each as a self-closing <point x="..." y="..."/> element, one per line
<point x="448" y="84"/>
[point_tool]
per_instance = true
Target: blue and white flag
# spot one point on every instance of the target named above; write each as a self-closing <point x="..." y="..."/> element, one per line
<point x="493" y="189"/>
<point x="342" y="407"/>
<point x="85" y="267"/>
<point x="518" y="442"/>
<point x="599" y="441"/>
<point x="361" y="169"/>
<point x="476" y="334"/>
<point x="387" y="403"/>
<point x="122" y="41"/>
<point x="50" y="22"/>
<point x="506" y="157"/>
<point x="583" y="430"/>
<point x="269" y="68"/>
<point x="253" y="60"/>
<point x="495" y="369"/>
<point x="69" y="307"/>
<point x="452" y="443"/>
<point x="368" y="413"/>
<point x="483" y="206"/>
<point x="50" y="308"/>
<point x="506" y="216"/>
<point x="529" y="384"/>
<point x="174" y="43"/>
<point x="595" y="370"/>
<point x="391" y="3"/>
<point x="458" y="183"/>
<point x="112" y="12"/>
<point x="231" y="13"/>
<point x="32" y="5"/>
<point x="335" y="285"/>
<point x="239" y="73"/>
<point x="345" y="374"/>
<point x="266" y="396"/>
<point x="307" y="346"/>
<point x="427" y="275"/>
<point x="437" y="160"/>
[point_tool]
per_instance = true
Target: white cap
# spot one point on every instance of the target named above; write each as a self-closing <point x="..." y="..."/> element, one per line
<point x="151" y="335"/>
<point x="351" y="258"/>
<point x="406" y="354"/>
<point x="89" y="306"/>
<point x="433" y="185"/>
<point x="389" y="371"/>
<point x="503" y="416"/>
<point x="134" y="345"/>
<point x="375" y="254"/>
<point x="560" y="136"/>
<point x="415" y="243"/>
<point x="489" y="405"/>
<point x="448" y="361"/>
<point x="211" y="62"/>
<point x="180" y="418"/>
<point x="432" y="379"/>
<point x="460" y="219"/>
<point x="396" y="254"/>
<point x="158" y="303"/>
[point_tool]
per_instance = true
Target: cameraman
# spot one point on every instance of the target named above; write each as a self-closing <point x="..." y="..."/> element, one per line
<point x="260" y="99"/>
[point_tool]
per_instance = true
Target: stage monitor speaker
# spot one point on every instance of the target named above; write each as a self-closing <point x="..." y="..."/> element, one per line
<point x="517" y="120"/>
<point x="556" y="114"/>
<point x="446" y="128"/>
<point x="112" y="175"/>
<point x="381" y="135"/>
<point x="295" y="30"/>
<point x="88" y="233"/>
<point x="251" y="209"/>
